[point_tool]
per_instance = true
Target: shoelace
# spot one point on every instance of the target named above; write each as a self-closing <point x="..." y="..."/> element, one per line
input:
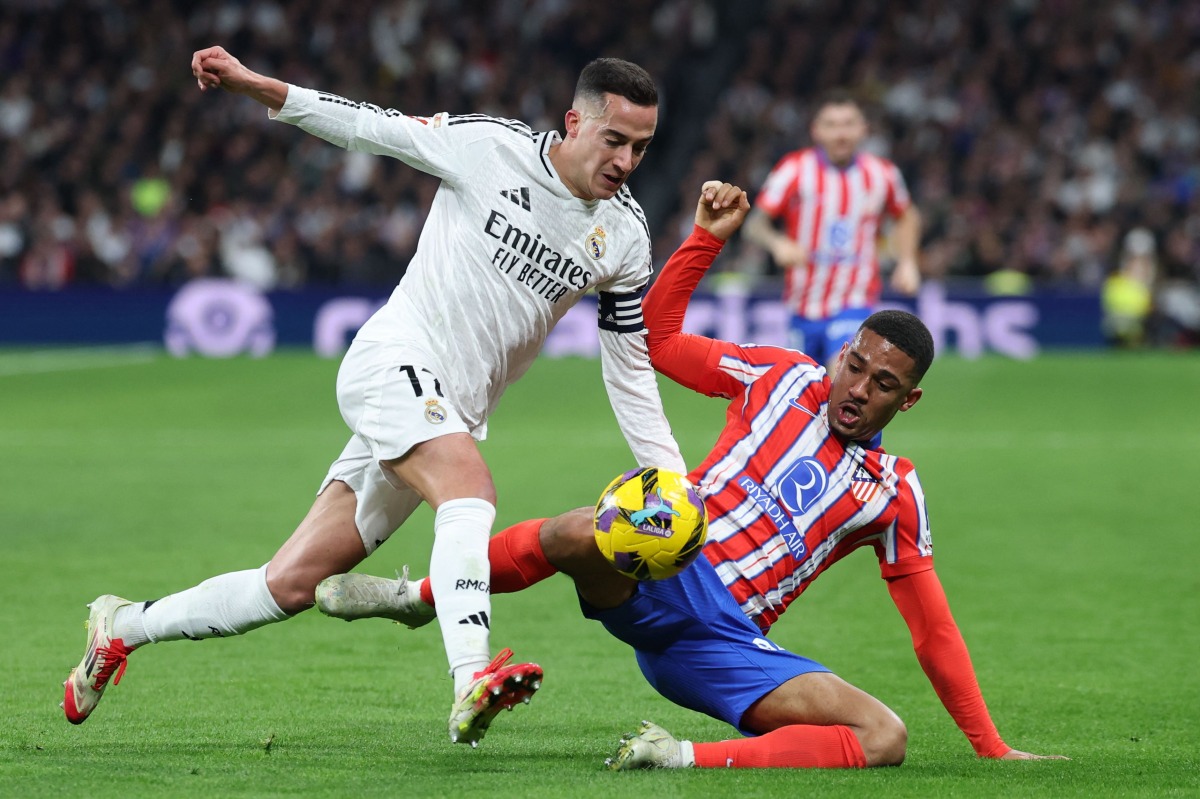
<point x="497" y="662"/>
<point x="402" y="581"/>
<point x="115" y="659"/>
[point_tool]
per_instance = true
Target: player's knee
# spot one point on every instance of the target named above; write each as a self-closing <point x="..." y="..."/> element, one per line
<point x="885" y="740"/>
<point x="569" y="543"/>
<point x="568" y="539"/>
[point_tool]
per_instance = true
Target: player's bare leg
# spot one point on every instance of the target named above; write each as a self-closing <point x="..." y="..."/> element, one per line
<point x="449" y="473"/>
<point x="824" y="699"/>
<point x="569" y="544"/>
<point x="814" y="720"/>
<point x="326" y="542"/>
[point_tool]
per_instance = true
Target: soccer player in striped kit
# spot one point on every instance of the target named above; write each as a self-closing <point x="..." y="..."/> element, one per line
<point x="791" y="487"/>
<point x="523" y="224"/>
<point x="831" y="199"/>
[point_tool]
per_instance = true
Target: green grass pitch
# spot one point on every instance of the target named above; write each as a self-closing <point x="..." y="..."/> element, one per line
<point x="1064" y="495"/>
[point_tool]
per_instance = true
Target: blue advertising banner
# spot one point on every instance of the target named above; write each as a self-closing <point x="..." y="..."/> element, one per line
<point x="221" y="318"/>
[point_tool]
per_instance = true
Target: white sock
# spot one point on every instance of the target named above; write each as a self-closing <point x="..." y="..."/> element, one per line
<point x="460" y="576"/>
<point x="128" y="626"/>
<point x="230" y="604"/>
<point x="687" y="755"/>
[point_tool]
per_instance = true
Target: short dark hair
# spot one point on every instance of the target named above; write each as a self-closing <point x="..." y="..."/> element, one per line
<point x="836" y="97"/>
<point x="908" y="334"/>
<point x="617" y="76"/>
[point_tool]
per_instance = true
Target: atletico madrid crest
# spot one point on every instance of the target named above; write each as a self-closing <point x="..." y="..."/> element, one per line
<point x="863" y="486"/>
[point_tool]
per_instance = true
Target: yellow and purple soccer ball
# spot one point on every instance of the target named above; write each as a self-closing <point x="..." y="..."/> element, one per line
<point x="650" y="523"/>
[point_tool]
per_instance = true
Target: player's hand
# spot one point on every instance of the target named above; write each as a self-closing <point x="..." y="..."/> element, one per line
<point x="906" y="277"/>
<point x="1016" y="754"/>
<point x="721" y="209"/>
<point x="214" y="67"/>
<point x="789" y="254"/>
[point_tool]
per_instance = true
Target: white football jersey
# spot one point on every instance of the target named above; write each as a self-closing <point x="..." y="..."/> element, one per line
<point x="505" y="252"/>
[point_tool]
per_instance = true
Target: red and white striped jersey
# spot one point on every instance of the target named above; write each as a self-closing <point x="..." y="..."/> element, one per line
<point x="834" y="214"/>
<point x="786" y="497"/>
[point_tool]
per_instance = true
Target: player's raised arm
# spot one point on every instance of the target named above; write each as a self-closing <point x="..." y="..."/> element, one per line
<point x="214" y="68"/>
<point x="685" y="358"/>
<point x="721" y="208"/>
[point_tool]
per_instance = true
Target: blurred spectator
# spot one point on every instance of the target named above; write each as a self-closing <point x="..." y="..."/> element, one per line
<point x="1128" y="294"/>
<point x="1031" y="134"/>
<point x="115" y="169"/>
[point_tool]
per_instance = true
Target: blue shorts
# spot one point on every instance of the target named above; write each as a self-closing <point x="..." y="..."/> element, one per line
<point x="697" y="648"/>
<point x="821" y="339"/>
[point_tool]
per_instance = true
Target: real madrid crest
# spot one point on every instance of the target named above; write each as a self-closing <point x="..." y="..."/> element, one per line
<point x="595" y="243"/>
<point x="434" y="412"/>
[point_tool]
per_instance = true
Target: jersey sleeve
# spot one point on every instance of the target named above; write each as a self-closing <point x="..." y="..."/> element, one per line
<point x="944" y="658"/>
<point x="625" y="362"/>
<point x="708" y="366"/>
<point x="445" y="146"/>
<point x="906" y="546"/>
<point x="633" y="393"/>
<point x="779" y="186"/>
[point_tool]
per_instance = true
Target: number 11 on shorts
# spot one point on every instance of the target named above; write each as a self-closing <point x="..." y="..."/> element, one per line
<point x="415" y="379"/>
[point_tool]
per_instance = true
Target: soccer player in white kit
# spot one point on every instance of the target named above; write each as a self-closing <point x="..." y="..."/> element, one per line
<point x="522" y="226"/>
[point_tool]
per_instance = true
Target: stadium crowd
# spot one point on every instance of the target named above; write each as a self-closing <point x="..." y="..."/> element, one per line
<point x="117" y="170"/>
<point x="1034" y="135"/>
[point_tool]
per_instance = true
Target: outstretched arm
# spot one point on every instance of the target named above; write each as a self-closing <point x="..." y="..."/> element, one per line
<point x="446" y="151"/>
<point x="943" y="656"/>
<point x="214" y="67"/>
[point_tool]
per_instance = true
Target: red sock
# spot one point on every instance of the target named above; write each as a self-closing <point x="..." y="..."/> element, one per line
<point x="517" y="560"/>
<point x="795" y="746"/>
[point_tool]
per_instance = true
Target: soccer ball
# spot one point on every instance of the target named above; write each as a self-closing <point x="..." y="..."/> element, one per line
<point x="650" y="523"/>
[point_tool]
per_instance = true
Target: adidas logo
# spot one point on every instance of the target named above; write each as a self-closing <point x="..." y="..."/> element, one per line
<point x="519" y="196"/>
<point x="480" y="619"/>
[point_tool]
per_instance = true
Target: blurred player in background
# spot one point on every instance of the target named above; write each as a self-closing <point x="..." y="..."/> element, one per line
<point x="831" y="198"/>
<point x="791" y="489"/>
<point x="522" y="226"/>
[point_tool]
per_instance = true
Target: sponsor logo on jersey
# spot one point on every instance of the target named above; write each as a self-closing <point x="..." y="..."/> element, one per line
<point x="803" y="485"/>
<point x="518" y="196"/>
<point x="778" y="516"/>
<point x="533" y="263"/>
<point x="863" y="486"/>
<point x="595" y="243"/>
<point x="841" y="236"/>
<point x="434" y="412"/>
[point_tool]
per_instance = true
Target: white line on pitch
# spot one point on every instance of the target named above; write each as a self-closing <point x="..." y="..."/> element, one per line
<point x="75" y="359"/>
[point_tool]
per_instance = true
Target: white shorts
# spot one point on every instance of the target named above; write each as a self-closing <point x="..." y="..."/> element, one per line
<point x="392" y="399"/>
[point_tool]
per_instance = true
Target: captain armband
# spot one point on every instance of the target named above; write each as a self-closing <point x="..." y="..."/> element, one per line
<point x="620" y="313"/>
